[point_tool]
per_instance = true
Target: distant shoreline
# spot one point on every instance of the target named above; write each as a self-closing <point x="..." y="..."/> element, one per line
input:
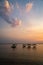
<point x="20" y="43"/>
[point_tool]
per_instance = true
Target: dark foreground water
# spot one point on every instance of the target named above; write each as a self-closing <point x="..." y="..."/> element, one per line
<point x="20" y="55"/>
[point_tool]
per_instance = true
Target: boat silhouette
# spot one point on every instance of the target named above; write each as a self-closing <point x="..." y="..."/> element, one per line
<point x="28" y="45"/>
<point x="13" y="46"/>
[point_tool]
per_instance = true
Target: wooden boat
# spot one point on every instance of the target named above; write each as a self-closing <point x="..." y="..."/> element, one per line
<point x="23" y="45"/>
<point x="28" y="45"/>
<point x="34" y="46"/>
<point x="13" y="46"/>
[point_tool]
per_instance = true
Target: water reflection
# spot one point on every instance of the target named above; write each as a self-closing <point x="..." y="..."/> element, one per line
<point x="32" y="53"/>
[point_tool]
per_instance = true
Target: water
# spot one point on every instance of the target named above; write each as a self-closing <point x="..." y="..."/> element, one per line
<point x="20" y="55"/>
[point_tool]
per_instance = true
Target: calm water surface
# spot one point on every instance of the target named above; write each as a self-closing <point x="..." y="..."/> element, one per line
<point x="20" y="53"/>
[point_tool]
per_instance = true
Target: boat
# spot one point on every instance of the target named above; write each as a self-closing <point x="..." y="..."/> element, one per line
<point x="28" y="45"/>
<point x="13" y="46"/>
<point x="23" y="45"/>
<point x="34" y="46"/>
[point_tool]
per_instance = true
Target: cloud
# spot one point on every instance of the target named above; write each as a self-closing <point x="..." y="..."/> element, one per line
<point x="16" y="22"/>
<point x="28" y="7"/>
<point x="17" y="5"/>
<point x="6" y="10"/>
<point x="6" y="7"/>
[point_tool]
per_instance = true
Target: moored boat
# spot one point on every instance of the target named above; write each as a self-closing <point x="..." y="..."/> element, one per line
<point x="24" y="45"/>
<point x="13" y="46"/>
<point x="34" y="45"/>
<point x="28" y="45"/>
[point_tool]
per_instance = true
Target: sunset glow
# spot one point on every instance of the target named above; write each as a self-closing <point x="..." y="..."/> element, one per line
<point x="21" y="20"/>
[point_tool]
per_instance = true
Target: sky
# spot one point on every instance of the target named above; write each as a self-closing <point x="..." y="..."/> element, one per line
<point x="21" y="20"/>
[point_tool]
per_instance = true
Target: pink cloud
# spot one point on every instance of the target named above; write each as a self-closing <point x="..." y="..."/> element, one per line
<point x="16" y="22"/>
<point x="28" y="7"/>
<point x="6" y="11"/>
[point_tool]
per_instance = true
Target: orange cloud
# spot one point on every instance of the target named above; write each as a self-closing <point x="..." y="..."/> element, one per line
<point x="28" y="7"/>
<point x="8" y="6"/>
